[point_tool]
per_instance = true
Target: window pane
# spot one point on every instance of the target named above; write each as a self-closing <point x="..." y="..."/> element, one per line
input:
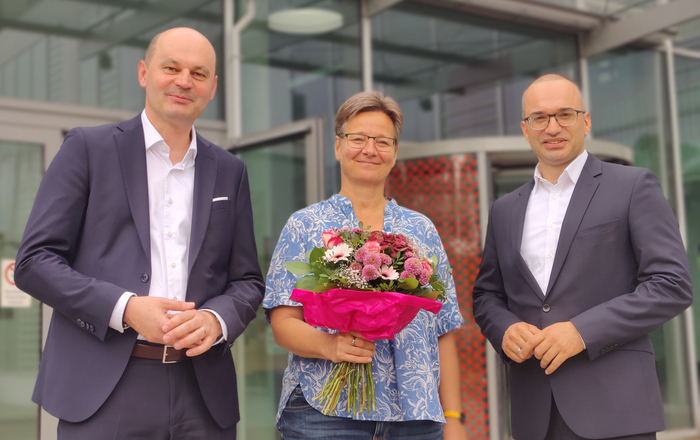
<point x="85" y="52"/>
<point x="278" y="189"/>
<point x="293" y="76"/>
<point x="20" y="338"/>
<point x="628" y="105"/>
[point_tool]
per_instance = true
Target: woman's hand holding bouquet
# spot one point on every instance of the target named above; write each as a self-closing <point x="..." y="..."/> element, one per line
<point x="363" y="283"/>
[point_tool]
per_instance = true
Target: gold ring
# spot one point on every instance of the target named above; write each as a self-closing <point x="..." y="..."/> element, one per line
<point x="204" y="330"/>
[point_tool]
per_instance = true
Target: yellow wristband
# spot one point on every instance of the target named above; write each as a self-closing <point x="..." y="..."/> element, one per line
<point x="453" y="414"/>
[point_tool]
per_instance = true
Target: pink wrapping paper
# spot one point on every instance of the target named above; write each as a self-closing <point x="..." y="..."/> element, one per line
<point x="375" y="315"/>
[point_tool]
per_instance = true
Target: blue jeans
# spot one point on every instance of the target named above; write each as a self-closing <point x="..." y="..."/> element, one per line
<point x="300" y="421"/>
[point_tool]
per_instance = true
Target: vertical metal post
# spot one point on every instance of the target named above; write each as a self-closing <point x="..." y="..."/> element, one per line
<point x="234" y="123"/>
<point x="493" y="376"/>
<point x="232" y="47"/>
<point x="366" y="49"/>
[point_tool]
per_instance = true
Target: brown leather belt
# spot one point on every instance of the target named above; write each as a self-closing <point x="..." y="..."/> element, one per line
<point x="163" y="353"/>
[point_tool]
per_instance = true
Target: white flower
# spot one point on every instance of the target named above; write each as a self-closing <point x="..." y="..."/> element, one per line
<point x="388" y="272"/>
<point x="338" y="253"/>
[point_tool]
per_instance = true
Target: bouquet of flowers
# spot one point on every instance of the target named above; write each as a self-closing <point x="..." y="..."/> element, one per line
<point x="369" y="282"/>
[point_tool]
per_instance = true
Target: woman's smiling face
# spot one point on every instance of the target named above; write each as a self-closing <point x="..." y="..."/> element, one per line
<point x="366" y="165"/>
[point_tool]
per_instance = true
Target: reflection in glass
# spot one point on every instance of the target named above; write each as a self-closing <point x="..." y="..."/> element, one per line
<point x="85" y="52"/>
<point x="20" y="174"/>
<point x="278" y="188"/>
<point x="289" y="77"/>
<point x="458" y="75"/>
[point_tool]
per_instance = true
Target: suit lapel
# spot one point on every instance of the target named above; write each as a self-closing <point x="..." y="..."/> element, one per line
<point x="131" y="149"/>
<point x="517" y="225"/>
<point x="204" y="181"/>
<point x="580" y="199"/>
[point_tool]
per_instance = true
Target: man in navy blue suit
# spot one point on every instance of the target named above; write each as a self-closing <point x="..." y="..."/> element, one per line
<point x="141" y="239"/>
<point x="580" y="265"/>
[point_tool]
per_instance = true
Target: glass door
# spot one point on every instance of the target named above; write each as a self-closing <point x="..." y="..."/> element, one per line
<point x="21" y="170"/>
<point x="286" y="174"/>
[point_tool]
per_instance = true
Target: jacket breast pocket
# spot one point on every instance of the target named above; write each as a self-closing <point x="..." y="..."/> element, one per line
<point x="220" y="205"/>
<point x="598" y="229"/>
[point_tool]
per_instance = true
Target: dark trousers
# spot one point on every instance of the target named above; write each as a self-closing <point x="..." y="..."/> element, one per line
<point x="152" y="401"/>
<point x="558" y="430"/>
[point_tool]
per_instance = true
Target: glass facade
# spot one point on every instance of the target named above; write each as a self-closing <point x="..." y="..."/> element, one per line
<point x="85" y="52"/>
<point x="277" y="189"/>
<point x="456" y="76"/>
<point x="629" y="105"/>
<point x="289" y="77"/>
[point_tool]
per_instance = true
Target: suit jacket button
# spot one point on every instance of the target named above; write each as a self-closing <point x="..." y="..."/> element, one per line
<point x="144" y="277"/>
<point x="546" y="308"/>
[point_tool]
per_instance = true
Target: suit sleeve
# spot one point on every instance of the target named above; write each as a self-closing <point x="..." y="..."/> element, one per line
<point x="663" y="286"/>
<point x="245" y="287"/>
<point x="51" y="239"/>
<point x="490" y="305"/>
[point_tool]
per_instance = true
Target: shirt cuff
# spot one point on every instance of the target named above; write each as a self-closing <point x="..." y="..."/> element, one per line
<point x="224" y="329"/>
<point x="116" y="322"/>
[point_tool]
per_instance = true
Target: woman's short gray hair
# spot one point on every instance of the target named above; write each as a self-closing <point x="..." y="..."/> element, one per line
<point x="369" y="102"/>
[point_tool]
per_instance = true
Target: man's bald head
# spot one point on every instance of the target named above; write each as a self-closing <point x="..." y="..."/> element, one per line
<point x="547" y="78"/>
<point x="153" y="45"/>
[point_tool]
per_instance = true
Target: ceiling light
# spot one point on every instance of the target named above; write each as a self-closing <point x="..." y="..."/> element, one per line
<point x="305" y="21"/>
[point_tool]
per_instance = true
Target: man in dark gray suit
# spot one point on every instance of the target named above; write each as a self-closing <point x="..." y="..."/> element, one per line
<point x="141" y="239"/>
<point x="579" y="265"/>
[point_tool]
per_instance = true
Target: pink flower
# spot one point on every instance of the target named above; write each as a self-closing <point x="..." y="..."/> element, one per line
<point x="388" y="272"/>
<point x="424" y="278"/>
<point x="370" y="273"/>
<point x="372" y="246"/>
<point x="409" y="254"/>
<point x="373" y="259"/>
<point x="414" y="266"/>
<point x="356" y="266"/>
<point x="331" y="239"/>
<point x="360" y="254"/>
<point x="385" y="259"/>
<point x="406" y="274"/>
<point x="427" y="267"/>
<point x="338" y="253"/>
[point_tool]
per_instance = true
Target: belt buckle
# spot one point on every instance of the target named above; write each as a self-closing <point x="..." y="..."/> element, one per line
<point x="165" y="355"/>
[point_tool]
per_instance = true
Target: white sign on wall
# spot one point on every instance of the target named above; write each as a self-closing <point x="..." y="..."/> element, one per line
<point x="10" y="296"/>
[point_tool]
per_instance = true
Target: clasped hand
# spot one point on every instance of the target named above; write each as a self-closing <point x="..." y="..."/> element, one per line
<point x="193" y="329"/>
<point x="350" y="347"/>
<point x="552" y="346"/>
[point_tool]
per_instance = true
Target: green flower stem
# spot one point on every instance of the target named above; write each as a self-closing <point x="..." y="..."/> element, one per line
<point x="358" y="379"/>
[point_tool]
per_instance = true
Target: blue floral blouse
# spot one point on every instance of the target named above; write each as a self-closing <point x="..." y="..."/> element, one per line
<point x="406" y="370"/>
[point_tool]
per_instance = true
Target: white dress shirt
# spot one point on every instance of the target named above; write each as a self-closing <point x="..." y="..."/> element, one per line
<point x="544" y="217"/>
<point x="170" y="198"/>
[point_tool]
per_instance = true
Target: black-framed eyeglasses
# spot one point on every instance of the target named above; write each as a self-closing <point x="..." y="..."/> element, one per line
<point x="359" y="141"/>
<point x="565" y="118"/>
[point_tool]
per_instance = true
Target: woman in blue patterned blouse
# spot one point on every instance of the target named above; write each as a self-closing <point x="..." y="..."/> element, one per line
<point x="417" y="374"/>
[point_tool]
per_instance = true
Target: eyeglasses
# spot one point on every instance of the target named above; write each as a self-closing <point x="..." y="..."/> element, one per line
<point x="565" y="118"/>
<point x="359" y="141"/>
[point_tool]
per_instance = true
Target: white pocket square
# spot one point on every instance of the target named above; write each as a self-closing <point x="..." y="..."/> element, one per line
<point x="219" y="199"/>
